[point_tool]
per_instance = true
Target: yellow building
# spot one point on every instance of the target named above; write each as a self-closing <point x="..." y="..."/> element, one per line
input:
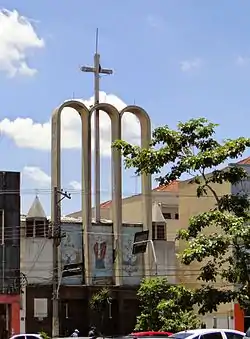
<point x="172" y="206"/>
<point x="228" y="315"/>
<point x="165" y="196"/>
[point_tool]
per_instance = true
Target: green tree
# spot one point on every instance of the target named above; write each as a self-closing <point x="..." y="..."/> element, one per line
<point x="99" y="303"/>
<point x="165" y="307"/>
<point x="224" y="253"/>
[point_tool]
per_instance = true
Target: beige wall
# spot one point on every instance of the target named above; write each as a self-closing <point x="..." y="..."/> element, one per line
<point x="35" y="258"/>
<point x="190" y="205"/>
<point x="166" y="260"/>
<point x="132" y="207"/>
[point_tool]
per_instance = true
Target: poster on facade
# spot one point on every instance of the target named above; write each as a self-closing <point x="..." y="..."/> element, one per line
<point x="132" y="267"/>
<point x="101" y="254"/>
<point x="72" y="251"/>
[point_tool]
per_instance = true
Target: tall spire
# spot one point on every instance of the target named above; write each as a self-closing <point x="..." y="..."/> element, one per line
<point x="36" y="210"/>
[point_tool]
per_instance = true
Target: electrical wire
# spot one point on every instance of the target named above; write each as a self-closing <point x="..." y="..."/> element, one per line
<point x="190" y="273"/>
<point x="48" y="191"/>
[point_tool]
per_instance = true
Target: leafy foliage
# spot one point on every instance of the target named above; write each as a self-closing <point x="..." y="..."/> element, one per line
<point x="98" y="302"/>
<point x="44" y="335"/>
<point x="165" y="307"/>
<point x="224" y="253"/>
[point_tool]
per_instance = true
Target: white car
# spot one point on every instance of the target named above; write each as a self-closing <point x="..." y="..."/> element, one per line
<point x="26" y="336"/>
<point x="213" y="333"/>
<point x="37" y="336"/>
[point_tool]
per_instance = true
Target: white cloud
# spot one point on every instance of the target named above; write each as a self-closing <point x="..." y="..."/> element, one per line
<point x="17" y="37"/>
<point x="76" y="185"/>
<point x="189" y="65"/>
<point x="26" y="133"/>
<point x="242" y="61"/>
<point x="37" y="175"/>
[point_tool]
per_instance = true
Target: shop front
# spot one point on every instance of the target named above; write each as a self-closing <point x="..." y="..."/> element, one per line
<point x="9" y="315"/>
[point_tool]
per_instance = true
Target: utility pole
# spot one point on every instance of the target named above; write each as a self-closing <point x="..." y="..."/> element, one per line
<point x="97" y="70"/>
<point x="58" y="196"/>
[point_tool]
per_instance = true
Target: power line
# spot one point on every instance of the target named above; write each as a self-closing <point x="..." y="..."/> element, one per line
<point x="39" y="191"/>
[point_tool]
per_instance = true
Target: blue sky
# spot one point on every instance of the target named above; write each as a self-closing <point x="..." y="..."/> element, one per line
<point x="177" y="59"/>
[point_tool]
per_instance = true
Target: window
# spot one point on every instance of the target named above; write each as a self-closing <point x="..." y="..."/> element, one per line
<point x="176" y="216"/>
<point x="182" y="335"/>
<point x="212" y="335"/>
<point x="20" y="336"/>
<point x="37" y="228"/>
<point x="231" y="335"/>
<point x="29" y="228"/>
<point x="159" y="232"/>
<point x="167" y="215"/>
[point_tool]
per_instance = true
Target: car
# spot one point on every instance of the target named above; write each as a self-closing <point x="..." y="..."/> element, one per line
<point x="26" y="336"/>
<point x="151" y="334"/>
<point x="247" y="335"/>
<point x="213" y="333"/>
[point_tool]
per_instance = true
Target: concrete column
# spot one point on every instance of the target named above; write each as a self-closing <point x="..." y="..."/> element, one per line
<point x="116" y="186"/>
<point x="145" y="123"/>
<point x="23" y="310"/>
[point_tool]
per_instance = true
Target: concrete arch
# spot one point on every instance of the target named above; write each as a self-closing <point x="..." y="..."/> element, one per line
<point x="146" y="183"/>
<point x="145" y="123"/>
<point x="114" y="116"/>
<point x="116" y="119"/>
<point x="86" y="165"/>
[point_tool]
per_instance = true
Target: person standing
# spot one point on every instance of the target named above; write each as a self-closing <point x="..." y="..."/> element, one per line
<point x="75" y="333"/>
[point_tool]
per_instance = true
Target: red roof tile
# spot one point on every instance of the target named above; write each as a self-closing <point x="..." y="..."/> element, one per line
<point x="172" y="187"/>
<point x="106" y="204"/>
<point x="245" y="161"/>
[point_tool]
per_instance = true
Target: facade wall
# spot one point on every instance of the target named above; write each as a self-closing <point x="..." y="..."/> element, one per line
<point x="172" y="227"/>
<point x="36" y="260"/>
<point x="166" y="260"/>
<point x="73" y="295"/>
<point x="71" y="250"/>
<point x="132" y="206"/>
<point x="10" y="249"/>
<point x="38" y="300"/>
<point x="9" y="232"/>
<point x="190" y="205"/>
<point x="74" y="311"/>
